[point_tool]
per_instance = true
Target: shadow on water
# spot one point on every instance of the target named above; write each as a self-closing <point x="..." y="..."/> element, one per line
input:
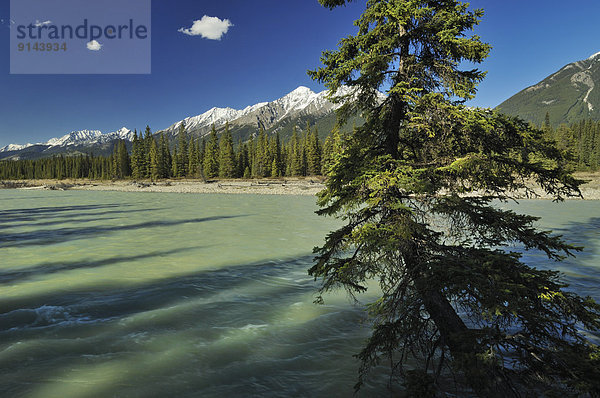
<point x="189" y="285"/>
<point x="67" y="217"/>
<point x="52" y="236"/>
<point x="229" y="319"/>
<point x="9" y="277"/>
<point x="582" y="272"/>
<point x="55" y="209"/>
<point x="21" y="198"/>
<point x="578" y="234"/>
<point x="61" y="220"/>
<point x="583" y="234"/>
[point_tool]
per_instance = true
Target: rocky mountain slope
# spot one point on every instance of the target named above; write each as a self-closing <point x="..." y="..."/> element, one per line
<point x="568" y="95"/>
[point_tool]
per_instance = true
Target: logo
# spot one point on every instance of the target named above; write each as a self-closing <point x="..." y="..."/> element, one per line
<point x="80" y="37"/>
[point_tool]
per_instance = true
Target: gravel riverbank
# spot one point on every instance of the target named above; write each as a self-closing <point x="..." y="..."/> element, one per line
<point x="263" y="187"/>
<point x="297" y="186"/>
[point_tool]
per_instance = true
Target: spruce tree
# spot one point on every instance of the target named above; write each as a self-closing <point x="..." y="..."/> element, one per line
<point x="226" y="155"/>
<point x="261" y="161"/>
<point x="274" y="168"/>
<point x="163" y="157"/>
<point x="302" y="154"/>
<point x="547" y="127"/>
<point x="124" y="160"/>
<point x="276" y="156"/>
<point x="295" y="152"/>
<point x="120" y="162"/>
<point x="287" y="158"/>
<point x="193" y="157"/>
<point x="328" y="155"/>
<point x="241" y="160"/>
<point x="154" y="161"/>
<point x="313" y="153"/>
<point x="145" y="155"/>
<point x="136" y="156"/>
<point x="211" y="153"/>
<point x="182" y="151"/>
<point x="251" y="156"/>
<point x="114" y="160"/>
<point x="60" y="171"/>
<point x="201" y="152"/>
<point x="416" y="187"/>
<point x="280" y="153"/>
<point x="174" y="164"/>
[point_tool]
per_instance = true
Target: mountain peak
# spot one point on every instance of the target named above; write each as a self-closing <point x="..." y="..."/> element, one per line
<point x="301" y="90"/>
<point x="594" y="55"/>
<point x="121" y="134"/>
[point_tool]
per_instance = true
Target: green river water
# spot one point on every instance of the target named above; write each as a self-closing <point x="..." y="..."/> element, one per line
<point x="108" y="294"/>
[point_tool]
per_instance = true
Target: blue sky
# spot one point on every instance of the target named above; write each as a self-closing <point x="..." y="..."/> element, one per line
<point x="264" y="55"/>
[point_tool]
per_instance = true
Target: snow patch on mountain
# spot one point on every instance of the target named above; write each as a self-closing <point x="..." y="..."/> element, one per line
<point x="216" y="116"/>
<point x="297" y="100"/>
<point x="74" y="137"/>
<point x="81" y="137"/>
<point x="121" y="134"/>
<point x="586" y="79"/>
<point x="14" y="147"/>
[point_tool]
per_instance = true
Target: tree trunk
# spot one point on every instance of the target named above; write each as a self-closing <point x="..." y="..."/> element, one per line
<point x="485" y="379"/>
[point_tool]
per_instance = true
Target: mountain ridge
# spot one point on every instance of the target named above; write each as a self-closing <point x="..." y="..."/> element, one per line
<point x="296" y="108"/>
<point x="302" y="101"/>
<point x="76" y="138"/>
<point x="569" y="95"/>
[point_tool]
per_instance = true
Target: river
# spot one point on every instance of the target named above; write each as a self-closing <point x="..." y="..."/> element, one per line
<point x="111" y="294"/>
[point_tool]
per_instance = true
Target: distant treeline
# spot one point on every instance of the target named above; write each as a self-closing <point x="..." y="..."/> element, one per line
<point x="152" y="157"/>
<point x="580" y="139"/>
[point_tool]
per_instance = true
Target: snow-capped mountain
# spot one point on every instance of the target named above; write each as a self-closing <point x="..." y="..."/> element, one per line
<point x="300" y="102"/>
<point x="90" y="137"/>
<point x="74" y="143"/>
<point x="82" y="137"/>
<point x="296" y="108"/>
<point x="216" y="116"/>
<point x="14" y="147"/>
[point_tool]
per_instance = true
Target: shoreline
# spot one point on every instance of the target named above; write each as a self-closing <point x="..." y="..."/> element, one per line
<point x="308" y="186"/>
<point x="303" y="187"/>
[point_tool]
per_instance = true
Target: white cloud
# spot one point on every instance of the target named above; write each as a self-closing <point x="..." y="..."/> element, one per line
<point x="37" y="23"/>
<point x="211" y="28"/>
<point x="94" y="45"/>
